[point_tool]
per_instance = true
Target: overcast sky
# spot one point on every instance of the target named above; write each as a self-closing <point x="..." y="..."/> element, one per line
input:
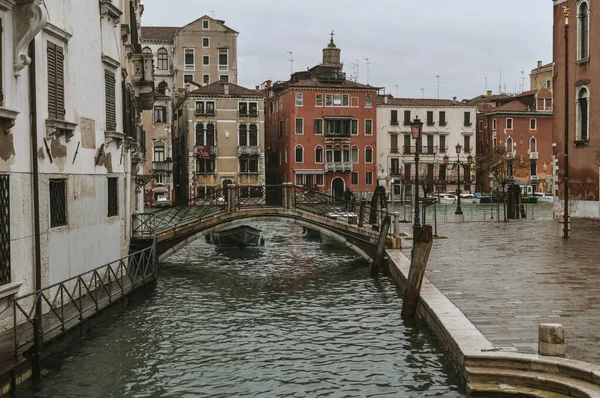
<point x="407" y="42"/>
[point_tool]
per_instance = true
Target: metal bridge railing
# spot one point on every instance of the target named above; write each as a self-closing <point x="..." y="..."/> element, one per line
<point x="258" y="196"/>
<point x="65" y="304"/>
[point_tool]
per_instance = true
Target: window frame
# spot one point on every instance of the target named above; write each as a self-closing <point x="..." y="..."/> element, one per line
<point x="205" y="78"/>
<point x="206" y="58"/>
<point x="511" y="123"/>
<point x="368" y="100"/>
<point x="162" y="110"/>
<point x="534" y="121"/>
<point x="322" y="154"/>
<point x="352" y="175"/>
<point x="186" y="66"/>
<point x="56" y="86"/>
<point x="494" y="124"/>
<point x="53" y="204"/>
<point x="205" y="22"/>
<point x="367" y="133"/>
<point x="531" y="148"/>
<point x="162" y="57"/>
<point x="187" y="74"/>
<point x="319" y="99"/>
<point x="156" y="152"/>
<point x="369" y="178"/>
<point x="299" y="98"/>
<point x="581" y="56"/>
<point x="112" y="196"/>
<point x="354" y="122"/>
<point x="110" y="101"/>
<point x="296" y="148"/>
<point x="578" y="98"/>
<point x="301" y="120"/>
<point x="207" y="41"/>
<point x="321" y="123"/>
<point x="369" y="149"/>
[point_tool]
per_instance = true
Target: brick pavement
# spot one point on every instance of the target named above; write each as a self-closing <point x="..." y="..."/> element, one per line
<point x="507" y="278"/>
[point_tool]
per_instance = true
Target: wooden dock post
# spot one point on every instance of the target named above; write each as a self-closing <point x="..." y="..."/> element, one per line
<point x="418" y="262"/>
<point x="378" y="259"/>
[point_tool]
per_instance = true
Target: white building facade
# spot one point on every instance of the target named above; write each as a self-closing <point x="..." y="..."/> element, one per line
<point x="63" y="69"/>
<point x="446" y="123"/>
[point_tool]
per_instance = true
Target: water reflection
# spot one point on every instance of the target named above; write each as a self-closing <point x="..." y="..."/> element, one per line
<point x="292" y="318"/>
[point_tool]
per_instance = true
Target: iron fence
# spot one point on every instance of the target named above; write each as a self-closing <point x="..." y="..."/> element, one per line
<point x="258" y="196"/>
<point x="4" y="229"/>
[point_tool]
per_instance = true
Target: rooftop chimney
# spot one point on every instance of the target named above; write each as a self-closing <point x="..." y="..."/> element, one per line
<point x="489" y="93"/>
<point x="539" y="64"/>
<point x="385" y="99"/>
<point x="226" y="88"/>
<point x="454" y="100"/>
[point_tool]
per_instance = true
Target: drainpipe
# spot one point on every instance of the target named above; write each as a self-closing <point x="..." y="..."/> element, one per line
<point x="37" y="344"/>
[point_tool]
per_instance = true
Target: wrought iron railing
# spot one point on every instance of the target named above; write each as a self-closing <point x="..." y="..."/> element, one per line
<point x="258" y="196"/>
<point x="65" y="304"/>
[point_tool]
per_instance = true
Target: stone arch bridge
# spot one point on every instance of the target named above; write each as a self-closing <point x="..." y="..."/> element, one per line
<point x="355" y="224"/>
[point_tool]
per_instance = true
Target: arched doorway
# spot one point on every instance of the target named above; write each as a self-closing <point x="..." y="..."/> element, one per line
<point x="337" y="187"/>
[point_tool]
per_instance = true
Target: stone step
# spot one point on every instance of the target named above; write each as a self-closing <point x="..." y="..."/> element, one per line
<point x="538" y="382"/>
<point x="505" y="390"/>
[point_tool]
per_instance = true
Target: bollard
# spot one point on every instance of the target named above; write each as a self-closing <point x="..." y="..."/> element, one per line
<point x="231" y="205"/>
<point x="396" y="224"/>
<point x="285" y="193"/>
<point x="551" y="340"/>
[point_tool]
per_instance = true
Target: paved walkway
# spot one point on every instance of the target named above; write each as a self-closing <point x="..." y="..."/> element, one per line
<point x="507" y="278"/>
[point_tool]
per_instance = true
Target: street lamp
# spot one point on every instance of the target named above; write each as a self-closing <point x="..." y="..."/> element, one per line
<point x="416" y="127"/>
<point x="458" y="214"/>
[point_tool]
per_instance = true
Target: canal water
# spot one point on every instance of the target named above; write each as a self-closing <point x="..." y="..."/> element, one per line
<point x="293" y="318"/>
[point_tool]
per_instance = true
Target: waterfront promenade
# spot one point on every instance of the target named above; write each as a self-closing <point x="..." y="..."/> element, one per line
<point x="507" y="278"/>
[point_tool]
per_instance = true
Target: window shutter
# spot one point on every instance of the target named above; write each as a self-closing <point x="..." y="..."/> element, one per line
<point x="111" y="116"/>
<point x="1" y="67"/>
<point x="60" y="83"/>
<point x="52" y="113"/>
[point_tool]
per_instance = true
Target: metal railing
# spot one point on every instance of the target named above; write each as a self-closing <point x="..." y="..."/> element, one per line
<point x="258" y="196"/>
<point x="65" y="304"/>
<point x="338" y="166"/>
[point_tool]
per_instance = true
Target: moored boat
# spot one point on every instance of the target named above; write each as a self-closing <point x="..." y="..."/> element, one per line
<point x="239" y="235"/>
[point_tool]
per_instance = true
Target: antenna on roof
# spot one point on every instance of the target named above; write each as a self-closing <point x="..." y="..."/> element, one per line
<point x="500" y="84"/>
<point x="212" y="13"/>
<point x="422" y="90"/>
<point x="291" y="59"/>
<point x="485" y="84"/>
<point x="396" y="91"/>
<point x="356" y="65"/>
<point x="437" y="77"/>
<point x="522" y="81"/>
<point x="367" y="59"/>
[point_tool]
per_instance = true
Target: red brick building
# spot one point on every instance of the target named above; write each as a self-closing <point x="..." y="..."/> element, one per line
<point x="321" y="129"/>
<point x="583" y="105"/>
<point x="523" y="124"/>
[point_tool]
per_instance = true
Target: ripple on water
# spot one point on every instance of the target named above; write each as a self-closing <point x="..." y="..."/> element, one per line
<point x="293" y="318"/>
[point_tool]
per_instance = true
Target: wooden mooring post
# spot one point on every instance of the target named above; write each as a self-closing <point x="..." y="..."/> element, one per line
<point x="378" y="259"/>
<point x="418" y="262"/>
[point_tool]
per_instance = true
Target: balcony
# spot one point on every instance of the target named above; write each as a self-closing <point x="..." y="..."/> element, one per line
<point x="251" y="113"/>
<point x="423" y="150"/>
<point x="533" y="155"/>
<point x="395" y="172"/>
<point x="394" y="123"/>
<point x="202" y="112"/>
<point x="338" y="166"/>
<point x="206" y="151"/>
<point x="248" y="150"/>
<point x="143" y="79"/>
<point x="165" y="166"/>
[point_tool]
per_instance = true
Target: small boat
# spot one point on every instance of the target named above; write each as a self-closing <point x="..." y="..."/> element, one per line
<point x="468" y="198"/>
<point x="239" y="235"/>
<point x="447" y="198"/>
<point x="310" y="233"/>
<point x="543" y="197"/>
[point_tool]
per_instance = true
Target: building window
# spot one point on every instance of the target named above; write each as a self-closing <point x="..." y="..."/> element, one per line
<point x="56" y="82"/>
<point x="162" y="58"/>
<point x="4" y="228"/>
<point x="368" y="127"/>
<point x="494" y="124"/>
<point x="509" y="123"/>
<point x="369" y="178"/>
<point x="467" y="121"/>
<point x="394" y="117"/>
<point x="337" y="99"/>
<point x="205" y="135"/>
<point x="188" y="78"/>
<point x="509" y="145"/>
<point x="205" y="79"/>
<point x="248" y="108"/>
<point x="328" y="99"/>
<point x="162" y="88"/>
<point x="467" y="140"/>
<point x="224" y="78"/>
<point x="345" y="100"/>
<point x="481" y="125"/>
<point x="253" y="137"/>
<point x="206" y="60"/>
<point x="354" y="127"/>
<point x="407" y="120"/>
<point x="548" y="84"/>
<point x="319" y="100"/>
<point x="583" y="31"/>
<point x="318" y="126"/>
<point x="368" y="101"/>
<point x="110" y="101"/>
<point x="583" y="117"/>
<point x="1" y="85"/>
<point x="299" y="126"/>
<point x="430" y="118"/>
<point x="354" y="155"/>
<point x="319" y="154"/>
<point x="280" y="132"/>
<point x="189" y="62"/>
<point x="206" y="42"/>
<point x="354" y="180"/>
<point x="319" y="179"/>
<point x="159" y="153"/>
<point x="533" y="167"/>
<point x="146" y="50"/>
<point x="532" y="145"/>
<point x="299" y="99"/>
<point x="442" y="117"/>
<point x="223" y="60"/>
<point x="113" y="196"/>
<point x="442" y="148"/>
<point x="160" y="114"/>
<point x="205" y="166"/>
<point x="299" y="154"/>
<point x="58" y="202"/>
<point x="354" y="102"/>
<point x="533" y="124"/>
<point x="369" y="154"/>
<point x="204" y="24"/>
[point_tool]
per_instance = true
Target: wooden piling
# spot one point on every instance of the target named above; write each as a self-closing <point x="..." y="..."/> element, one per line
<point x="418" y="263"/>
<point x="378" y="259"/>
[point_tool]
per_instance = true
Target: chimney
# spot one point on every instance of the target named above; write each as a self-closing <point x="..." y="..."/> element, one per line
<point x="539" y="64"/>
<point x="257" y="87"/>
<point x="226" y="88"/>
<point x="454" y="100"/>
<point x="385" y="99"/>
<point x="489" y="93"/>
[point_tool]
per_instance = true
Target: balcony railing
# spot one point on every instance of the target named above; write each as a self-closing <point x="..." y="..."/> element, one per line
<point x="338" y="166"/>
<point x="337" y="136"/>
<point x="203" y="150"/>
<point x="202" y="112"/>
<point x="252" y="112"/>
<point x="162" y="166"/>
<point x="394" y="123"/>
<point x="423" y="150"/>
<point x="248" y="150"/>
<point x="395" y="172"/>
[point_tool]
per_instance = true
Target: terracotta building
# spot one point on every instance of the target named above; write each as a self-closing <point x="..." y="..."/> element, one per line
<point x="321" y="129"/>
<point x="523" y="124"/>
<point x="583" y="127"/>
<point x="541" y="77"/>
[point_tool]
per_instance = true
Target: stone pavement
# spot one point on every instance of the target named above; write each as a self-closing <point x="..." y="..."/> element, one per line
<point x="507" y="278"/>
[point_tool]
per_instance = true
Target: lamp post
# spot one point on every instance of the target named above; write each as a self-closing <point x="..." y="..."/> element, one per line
<point x="416" y="127"/>
<point x="458" y="214"/>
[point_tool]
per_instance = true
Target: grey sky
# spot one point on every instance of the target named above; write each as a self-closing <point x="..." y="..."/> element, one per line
<point x="408" y="42"/>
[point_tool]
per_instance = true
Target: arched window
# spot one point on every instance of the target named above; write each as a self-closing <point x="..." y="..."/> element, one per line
<point x="199" y="134"/>
<point x="583" y="114"/>
<point x="162" y="88"/>
<point x="368" y="155"/>
<point x="146" y="50"/>
<point x="354" y="154"/>
<point x="253" y="134"/>
<point x="210" y="134"/>
<point x="243" y="134"/>
<point x="162" y="58"/>
<point x="299" y="154"/>
<point x="337" y="154"/>
<point x="509" y="145"/>
<point x="532" y="145"/>
<point x="318" y="154"/>
<point x="583" y="30"/>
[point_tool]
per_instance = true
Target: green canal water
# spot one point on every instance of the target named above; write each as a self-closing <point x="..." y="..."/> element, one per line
<point x="293" y="318"/>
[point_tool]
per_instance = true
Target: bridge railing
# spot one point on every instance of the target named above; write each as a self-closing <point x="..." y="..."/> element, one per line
<point x="65" y="304"/>
<point x="359" y="213"/>
<point x="258" y="196"/>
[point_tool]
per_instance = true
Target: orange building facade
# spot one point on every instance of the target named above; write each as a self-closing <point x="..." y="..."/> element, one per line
<point x="321" y="130"/>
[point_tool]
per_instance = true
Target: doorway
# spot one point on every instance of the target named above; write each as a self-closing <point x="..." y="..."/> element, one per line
<point x="337" y="187"/>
